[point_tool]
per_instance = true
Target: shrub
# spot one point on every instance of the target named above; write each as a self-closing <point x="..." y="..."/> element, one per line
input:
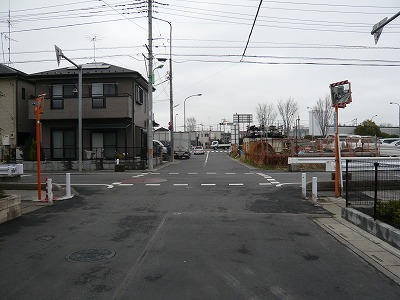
<point x="389" y="212"/>
<point x="2" y="194"/>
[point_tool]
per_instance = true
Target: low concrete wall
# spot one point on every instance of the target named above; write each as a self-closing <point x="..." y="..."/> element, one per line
<point x="87" y="165"/>
<point x="381" y="230"/>
<point x="10" y="208"/>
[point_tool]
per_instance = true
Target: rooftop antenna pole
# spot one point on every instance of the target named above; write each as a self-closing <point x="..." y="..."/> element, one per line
<point x="94" y="48"/>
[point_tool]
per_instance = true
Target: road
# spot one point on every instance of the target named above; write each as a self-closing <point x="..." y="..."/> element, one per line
<point x="203" y="228"/>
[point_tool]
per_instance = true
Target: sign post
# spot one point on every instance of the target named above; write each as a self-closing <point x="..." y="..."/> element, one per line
<point x="38" y="111"/>
<point x="340" y="96"/>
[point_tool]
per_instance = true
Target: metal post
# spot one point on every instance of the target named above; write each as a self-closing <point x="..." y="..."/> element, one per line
<point x="376" y="164"/>
<point x="337" y="159"/>
<point x="80" y="118"/>
<point x="303" y="185"/>
<point x="68" y="185"/>
<point x="347" y="182"/>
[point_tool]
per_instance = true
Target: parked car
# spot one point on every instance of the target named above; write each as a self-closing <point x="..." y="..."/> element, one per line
<point x="198" y="150"/>
<point x="389" y="149"/>
<point x="388" y="140"/>
<point x="160" y="149"/>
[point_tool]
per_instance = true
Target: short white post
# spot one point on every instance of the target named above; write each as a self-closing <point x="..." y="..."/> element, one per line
<point x="303" y="185"/>
<point x="49" y="190"/>
<point x="314" y="189"/>
<point x="68" y="185"/>
<point x="9" y="171"/>
<point x="117" y="161"/>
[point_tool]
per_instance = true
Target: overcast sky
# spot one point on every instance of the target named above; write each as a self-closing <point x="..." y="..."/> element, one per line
<point x="296" y="49"/>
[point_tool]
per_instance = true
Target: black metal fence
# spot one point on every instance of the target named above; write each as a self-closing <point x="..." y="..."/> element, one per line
<point x="370" y="183"/>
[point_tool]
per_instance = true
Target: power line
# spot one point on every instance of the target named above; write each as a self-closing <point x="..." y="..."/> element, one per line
<point x="252" y="27"/>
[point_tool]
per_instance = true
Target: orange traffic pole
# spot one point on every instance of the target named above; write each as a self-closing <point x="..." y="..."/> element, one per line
<point x="337" y="167"/>
<point x="38" y="111"/>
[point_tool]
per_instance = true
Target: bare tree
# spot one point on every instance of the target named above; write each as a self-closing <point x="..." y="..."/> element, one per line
<point x="266" y="113"/>
<point x="191" y="124"/>
<point x="323" y="114"/>
<point x="287" y="110"/>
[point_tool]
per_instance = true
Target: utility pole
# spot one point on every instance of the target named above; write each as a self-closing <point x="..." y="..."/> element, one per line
<point x="150" y="90"/>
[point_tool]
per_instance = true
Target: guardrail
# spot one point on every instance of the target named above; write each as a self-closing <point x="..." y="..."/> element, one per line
<point x="11" y="169"/>
<point x="330" y="161"/>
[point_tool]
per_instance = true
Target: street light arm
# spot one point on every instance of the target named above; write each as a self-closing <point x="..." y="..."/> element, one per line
<point x="184" y="109"/>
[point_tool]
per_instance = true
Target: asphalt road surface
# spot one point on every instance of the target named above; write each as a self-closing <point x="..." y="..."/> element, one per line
<point x="203" y="228"/>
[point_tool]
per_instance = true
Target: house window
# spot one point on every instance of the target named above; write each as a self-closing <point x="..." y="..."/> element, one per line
<point x="98" y="102"/>
<point x="110" y="89"/>
<point x="23" y="94"/>
<point x="104" y="89"/>
<point x="57" y="100"/>
<point x="63" y="144"/>
<point x="68" y="91"/>
<point x="140" y="95"/>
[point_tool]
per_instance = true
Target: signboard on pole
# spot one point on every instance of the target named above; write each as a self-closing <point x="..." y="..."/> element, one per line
<point x="378" y="32"/>
<point x="58" y="54"/>
<point x="243" y="118"/>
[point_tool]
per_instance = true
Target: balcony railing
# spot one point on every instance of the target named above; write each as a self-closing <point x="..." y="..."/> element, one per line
<point x="119" y="106"/>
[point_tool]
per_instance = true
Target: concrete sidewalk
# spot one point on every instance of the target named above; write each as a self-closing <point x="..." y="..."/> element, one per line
<point x="29" y="198"/>
<point x="378" y="253"/>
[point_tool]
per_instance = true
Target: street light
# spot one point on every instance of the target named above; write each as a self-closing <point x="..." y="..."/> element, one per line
<point x="184" y="110"/>
<point x="59" y="55"/>
<point x="399" y="113"/>
<point x="171" y="100"/>
<point x="373" y="117"/>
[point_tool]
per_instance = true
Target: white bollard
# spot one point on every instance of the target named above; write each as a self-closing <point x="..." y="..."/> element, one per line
<point x="303" y="185"/>
<point x="314" y="189"/>
<point x="9" y="171"/>
<point x="49" y="195"/>
<point x="117" y="161"/>
<point x="68" y="185"/>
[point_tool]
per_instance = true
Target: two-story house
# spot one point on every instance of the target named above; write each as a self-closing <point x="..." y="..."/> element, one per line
<point x="16" y="91"/>
<point x="114" y="112"/>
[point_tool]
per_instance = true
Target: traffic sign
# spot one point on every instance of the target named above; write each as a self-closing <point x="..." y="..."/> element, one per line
<point x="58" y="54"/>
<point x="378" y="32"/>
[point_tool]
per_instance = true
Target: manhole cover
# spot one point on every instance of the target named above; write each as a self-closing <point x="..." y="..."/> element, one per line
<point x="86" y="255"/>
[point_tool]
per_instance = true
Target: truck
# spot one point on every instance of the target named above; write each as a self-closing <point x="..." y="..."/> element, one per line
<point x="217" y="145"/>
<point x="182" y="145"/>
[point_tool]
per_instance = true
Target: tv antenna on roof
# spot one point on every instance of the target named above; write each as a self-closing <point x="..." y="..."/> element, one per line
<point x="94" y="38"/>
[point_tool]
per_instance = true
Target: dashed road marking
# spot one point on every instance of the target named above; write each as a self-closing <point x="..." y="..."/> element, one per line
<point x="152" y="184"/>
<point x="236" y="184"/>
<point x="208" y="184"/>
<point x="230" y="173"/>
<point x="193" y="173"/>
<point x="173" y="173"/>
<point x="125" y="184"/>
<point x="211" y="173"/>
<point x="265" y="183"/>
<point x="181" y="184"/>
